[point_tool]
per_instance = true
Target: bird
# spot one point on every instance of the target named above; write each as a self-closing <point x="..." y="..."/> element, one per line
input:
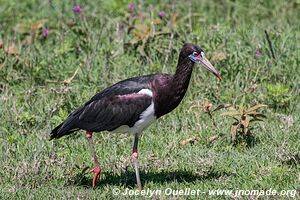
<point x="131" y="105"/>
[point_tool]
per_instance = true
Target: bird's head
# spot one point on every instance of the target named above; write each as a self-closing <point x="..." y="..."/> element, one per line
<point x="197" y="55"/>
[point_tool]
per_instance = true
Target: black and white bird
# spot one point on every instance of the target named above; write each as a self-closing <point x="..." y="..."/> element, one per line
<point x="133" y="104"/>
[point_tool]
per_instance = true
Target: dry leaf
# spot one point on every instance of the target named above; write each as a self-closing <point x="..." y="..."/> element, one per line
<point x="206" y="105"/>
<point x="253" y="88"/>
<point x="218" y="56"/>
<point x="243" y="120"/>
<point x="191" y="140"/>
<point x="255" y="107"/>
<point x="37" y="25"/>
<point x="141" y="31"/>
<point x="28" y="40"/>
<point x="173" y="20"/>
<point x="221" y="107"/>
<point x="194" y="106"/>
<point x="233" y="131"/>
<point x="2" y="65"/>
<point x="71" y="23"/>
<point x="245" y="123"/>
<point x="21" y="28"/>
<point x="12" y="49"/>
<point x="231" y="113"/>
<point x="242" y="110"/>
<point x="213" y="138"/>
<point x="156" y="21"/>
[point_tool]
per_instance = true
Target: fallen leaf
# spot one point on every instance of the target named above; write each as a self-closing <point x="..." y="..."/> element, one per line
<point x="156" y="21"/>
<point x="22" y="28"/>
<point x="12" y="49"/>
<point x="245" y="123"/>
<point x="255" y="107"/>
<point x="213" y="138"/>
<point x="173" y="21"/>
<point x="233" y="131"/>
<point x="191" y="140"/>
<point x="253" y="88"/>
<point x="141" y="31"/>
<point x="206" y="105"/>
<point x="221" y="107"/>
<point x="37" y="25"/>
<point x="218" y="56"/>
<point x="71" y="23"/>
<point x="231" y="113"/>
<point x="2" y="65"/>
<point x="28" y="40"/>
<point x="194" y="106"/>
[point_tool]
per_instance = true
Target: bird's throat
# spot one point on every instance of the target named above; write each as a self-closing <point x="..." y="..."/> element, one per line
<point x="181" y="79"/>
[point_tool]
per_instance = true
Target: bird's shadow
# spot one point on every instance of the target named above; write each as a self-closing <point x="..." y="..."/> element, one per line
<point x="127" y="178"/>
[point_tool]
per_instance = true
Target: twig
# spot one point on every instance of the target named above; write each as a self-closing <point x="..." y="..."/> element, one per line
<point x="171" y="38"/>
<point x="190" y="17"/>
<point x="213" y="120"/>
<point x="68" y="81"/>
<point x="270" y="44"/>
<point x="106" y="64"/>
<point x="152" y="21"/>
<point x="91" y="57"/>
<point x="169" y="50"/>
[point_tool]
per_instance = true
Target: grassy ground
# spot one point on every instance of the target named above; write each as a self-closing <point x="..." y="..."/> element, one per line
<point x="109" y="41"/>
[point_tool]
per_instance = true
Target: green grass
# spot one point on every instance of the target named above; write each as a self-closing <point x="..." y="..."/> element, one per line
<point x="33" y="98"/>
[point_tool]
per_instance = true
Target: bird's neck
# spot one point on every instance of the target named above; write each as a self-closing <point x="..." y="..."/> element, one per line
<point x="170" y="95"/>
<point x="181" y="78"/>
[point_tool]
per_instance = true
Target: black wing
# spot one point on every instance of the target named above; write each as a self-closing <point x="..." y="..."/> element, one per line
<point x="117" y="105"/>
<point x="108" y="113"/>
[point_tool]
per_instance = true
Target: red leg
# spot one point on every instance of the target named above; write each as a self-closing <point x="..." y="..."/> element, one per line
<point x="135" y="159"/>
<point x="96" y="170"/>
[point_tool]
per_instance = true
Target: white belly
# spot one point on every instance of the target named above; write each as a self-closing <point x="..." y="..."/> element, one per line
<point x="146" y="118"/>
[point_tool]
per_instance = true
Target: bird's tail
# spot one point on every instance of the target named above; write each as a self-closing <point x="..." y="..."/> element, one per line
<point x="60" y="131"/>
<point x="55" y="131"/>
<point x="68" y="126"/>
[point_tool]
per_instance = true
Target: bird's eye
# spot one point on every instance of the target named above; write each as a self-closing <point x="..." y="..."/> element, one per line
<point x="195" y="53"/>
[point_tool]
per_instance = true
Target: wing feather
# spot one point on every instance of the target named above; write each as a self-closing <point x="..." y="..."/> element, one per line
<point x="111" y="112"/>
<point x="105" y="110"/>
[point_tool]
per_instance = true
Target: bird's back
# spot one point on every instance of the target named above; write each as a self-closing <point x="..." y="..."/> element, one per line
<point x="117" y="105"/>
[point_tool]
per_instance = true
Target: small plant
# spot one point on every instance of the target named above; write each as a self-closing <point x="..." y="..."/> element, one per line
<point x="278" y="95"/>
<point x="207" y="107"/>
<point x="244" y="119"/>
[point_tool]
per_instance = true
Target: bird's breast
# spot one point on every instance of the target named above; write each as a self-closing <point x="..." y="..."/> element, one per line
<point x="146" y="118"/>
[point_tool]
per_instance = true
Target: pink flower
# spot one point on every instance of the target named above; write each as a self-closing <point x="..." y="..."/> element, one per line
<point x="161" y="14"/>
<point x="77" y="8"/>
<point x="257" y="53"/>
<point x="131" y="7"/>
<point x="45" y="32"/>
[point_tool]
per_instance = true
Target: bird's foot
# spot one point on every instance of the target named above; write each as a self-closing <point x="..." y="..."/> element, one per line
<point x="135" y="155"/>
<point x="96" y="170"/>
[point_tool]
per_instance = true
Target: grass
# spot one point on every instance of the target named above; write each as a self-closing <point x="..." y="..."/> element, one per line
<point x="34" y="98"/>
